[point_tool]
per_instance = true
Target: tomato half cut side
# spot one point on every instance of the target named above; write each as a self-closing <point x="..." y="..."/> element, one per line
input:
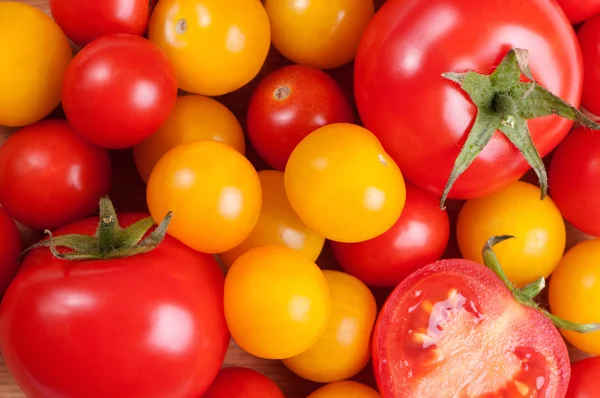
<point x="453" y="329"/>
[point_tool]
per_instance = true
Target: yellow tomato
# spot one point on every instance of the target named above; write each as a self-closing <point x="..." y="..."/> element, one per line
<point x="213" y="192"/>
<point x="34" y="54"/>
<point x="343" y="185"/>
<point x="345" y="389"/>
<point x="194" y="117"/>
<point x="516" y="210"/>
<point x="323" y="34"/>
<point x="574" y="293"/>
<point x="277" y="302"/>
<point x="344" y="348"/>
<point x="278" y="224"/>
<point x="216" y="46"/>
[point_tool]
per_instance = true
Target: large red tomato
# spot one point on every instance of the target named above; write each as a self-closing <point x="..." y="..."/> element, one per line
<point x="119" y="90"/>
<point x="579" y="10"/>
<point x="10" y="248"/>
<point x="242" y="383"/>
<point x="585" y="380"/>
<point x="148" y="325"/>
<point x="589" y="39"/>
<point x="50" y="176"/>
<point x="422" y="119"/>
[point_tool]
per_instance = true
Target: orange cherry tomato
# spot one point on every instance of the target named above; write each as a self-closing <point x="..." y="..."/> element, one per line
<point x="345" y="389"/>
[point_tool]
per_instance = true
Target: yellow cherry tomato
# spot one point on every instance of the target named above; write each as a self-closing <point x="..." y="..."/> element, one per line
<point x="345" y="389"/>
<point x="343" y="185"/>
<point x="517" y="210"/>
<point x="194" y="117"/>
<point x="574" y="292"/>
<point x="213" y="192"/>
<point x="277" y="302"/>
<point x="278" y="224"/>
<point x="344" y="348"/>
<point x="216" y="46"/>
<point x="318" y="33"/>
<point x="34" y="54"/>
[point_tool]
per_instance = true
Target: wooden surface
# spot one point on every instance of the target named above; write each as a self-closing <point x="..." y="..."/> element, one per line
<point x="128" y="195"/>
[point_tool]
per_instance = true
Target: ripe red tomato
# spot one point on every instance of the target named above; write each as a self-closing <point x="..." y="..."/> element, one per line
<point x="10" y="248"/>
<point x="454" y="327"/>
<point x="423" y="119"/>
<point x="50" y="176"/>
<point x="579" y="10"/>
<point x="149" y="325"/>
<point x="589" y="40"/>
<point x="585" y="382"/>
<point x="119" y="90"/>
<point x="242" y="383"/>
<point x="574" y="178"/>
<point x="86" y="20"/>
<point x="289" y="104"/>
<point x="419" y="237"/>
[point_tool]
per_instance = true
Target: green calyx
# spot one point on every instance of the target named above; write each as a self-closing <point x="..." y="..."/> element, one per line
<point x="505" y="103"/>
<point x="110" y="240"/>
<point x="528" y="293"/>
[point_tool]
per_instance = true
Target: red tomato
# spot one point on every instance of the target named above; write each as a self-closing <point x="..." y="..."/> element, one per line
<point x="579" y="10"/>
<point x="242" y="383"/>
<point x="423" y="119"/>
<point x="585" y="382"/>
<point x="589" y="39"/>
<point x="149" y="325"/>
<point x="119" y="90"/>
<point x="454" y="327"/>
<point x="10" y="248"/>
<point x="86" y="20"/>
<point x="419" y="237"/>
<point x="575" y="177"/>
<point x="289" y="104"/>
<point x="50" y="176"/>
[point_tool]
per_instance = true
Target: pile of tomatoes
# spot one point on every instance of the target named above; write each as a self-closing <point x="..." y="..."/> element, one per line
<point x="292" y="161"/>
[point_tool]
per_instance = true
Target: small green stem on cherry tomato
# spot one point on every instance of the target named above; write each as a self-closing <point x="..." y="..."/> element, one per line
<point x="533" y="289"/>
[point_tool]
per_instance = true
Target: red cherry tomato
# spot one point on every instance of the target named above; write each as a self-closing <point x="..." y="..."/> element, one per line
<point x="579" y="10"/>
<point x="50" y="176"/>
<point x="86" y="20"/>
<point x="589" y="39"/>
<point x="10" y="248"/>
<point x="119" y="90"/>
<point x="289" y="104"/>
<point x="242" y="383"/>
<point x="419" y="237"/>
<point x="585" y="380"/>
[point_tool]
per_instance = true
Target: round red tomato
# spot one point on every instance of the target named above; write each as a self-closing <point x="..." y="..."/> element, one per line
<point x="423" y="119"/>
<point x="10" y="248"/>
<point x="50" y="176"/>
<point x="574" y="178"/>
<point x="242" y="383"/>
<point x="86" y="20"/>
<point x="289" y="104"/>
<point x="148" y="325"/>
<point x="419" y="237"/>
<point x="454" y="327"/>
<point x="579" y="10"/>
<point x="589" y="39"/>
<point x="585" y="382"/>
<point x="119" y="90"/>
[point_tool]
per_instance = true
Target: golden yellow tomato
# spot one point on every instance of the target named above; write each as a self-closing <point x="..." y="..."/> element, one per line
<point x="216" y="46"/>
<point x="344" y="348"/>
<point x="343" y="185"/>
<point x="194" y="117"/>
<point x="574" y="292"/>
<point x="277" y="302"/>
<point x="517" y="210"/>
<point x="213" y="192"/>
<point x="34" y="54"/>
<point x="320" y="33"/>
<point x="278" y="224"/>
<point x="345" y="389"/>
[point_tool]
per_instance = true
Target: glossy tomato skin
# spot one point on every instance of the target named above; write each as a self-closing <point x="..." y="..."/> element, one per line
<point x="345" y="389"/>
<point x="118" y="90"/>
<point x="150" y="325"/>
<point x="10" y="248"/>
<point x="573" y="177"/>
<point x="289" y="104"/>
<point x="238" y="382"/>
<point x="453" y="326"/>
<point x="50" y="176"/>
<point x="419" y="237"/>
<point x="579" y="10"/>
<point x="86" y="20"/>
<point x="584" y="381"/>
<point x="409" y="44"/>
<point x="589" y="39"/>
